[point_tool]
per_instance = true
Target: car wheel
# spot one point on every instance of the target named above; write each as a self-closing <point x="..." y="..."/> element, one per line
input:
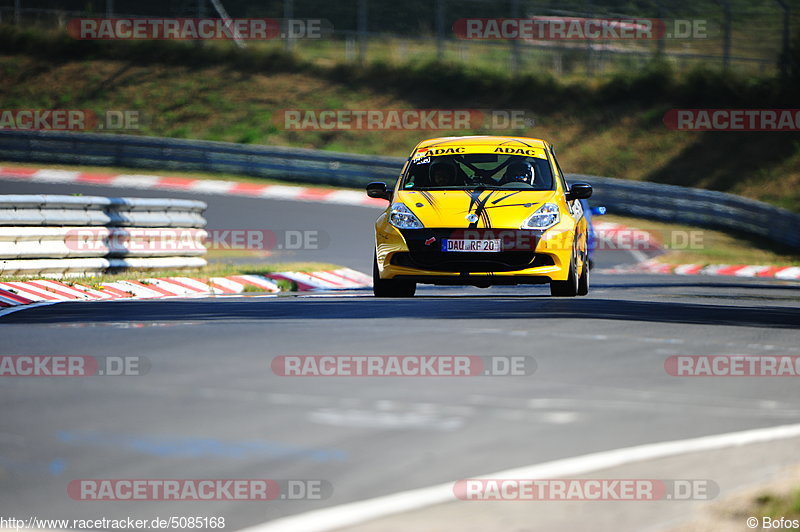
<point x="568" y="288"/>
<point x="583" y="280"/>
<point x="390" y="287"/>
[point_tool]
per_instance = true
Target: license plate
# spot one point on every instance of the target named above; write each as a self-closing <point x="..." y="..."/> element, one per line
<point x="471" y="245"/>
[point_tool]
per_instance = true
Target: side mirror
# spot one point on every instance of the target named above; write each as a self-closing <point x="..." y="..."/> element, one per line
<point x="579" y="191"/>
<point x="378" y="189"/>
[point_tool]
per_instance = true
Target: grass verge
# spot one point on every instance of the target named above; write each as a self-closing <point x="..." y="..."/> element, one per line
<point x="687" y="244"/>
<point x="776" y="505"/>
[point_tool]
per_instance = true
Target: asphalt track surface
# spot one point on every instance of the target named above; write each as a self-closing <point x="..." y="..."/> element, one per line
<point x="210" y="406"/>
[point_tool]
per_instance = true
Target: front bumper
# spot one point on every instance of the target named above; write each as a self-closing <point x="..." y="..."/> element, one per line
<point x="527" y="257"/>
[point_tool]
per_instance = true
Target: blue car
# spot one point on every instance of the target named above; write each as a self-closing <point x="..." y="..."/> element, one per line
<point x="591" y="242"/>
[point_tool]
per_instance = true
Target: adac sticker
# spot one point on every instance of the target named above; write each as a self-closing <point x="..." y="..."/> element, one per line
<point x="530" y="152"/>
<point x="428" y="152"/>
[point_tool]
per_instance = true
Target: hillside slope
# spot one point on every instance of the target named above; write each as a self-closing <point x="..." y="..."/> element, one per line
<point x="610" y="127"/>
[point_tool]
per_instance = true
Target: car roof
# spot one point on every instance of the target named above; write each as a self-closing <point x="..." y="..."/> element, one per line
<point x="483" y="140"/>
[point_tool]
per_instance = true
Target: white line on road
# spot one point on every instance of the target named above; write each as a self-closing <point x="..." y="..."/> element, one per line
<point x="359" y="512"/>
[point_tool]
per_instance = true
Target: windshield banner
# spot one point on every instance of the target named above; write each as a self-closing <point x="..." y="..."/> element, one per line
<point x="437" y="151"/>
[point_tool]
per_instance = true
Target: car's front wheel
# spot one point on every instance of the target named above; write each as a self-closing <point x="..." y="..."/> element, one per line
<point x="568" y="288"/>
<point x="390" y="287"/>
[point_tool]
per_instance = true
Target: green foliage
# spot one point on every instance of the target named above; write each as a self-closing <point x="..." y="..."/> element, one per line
<point x="656" y="81"/>
<point x="606" y="125"/>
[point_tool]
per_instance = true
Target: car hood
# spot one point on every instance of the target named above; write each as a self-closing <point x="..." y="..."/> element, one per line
<point x="505" y="209"/>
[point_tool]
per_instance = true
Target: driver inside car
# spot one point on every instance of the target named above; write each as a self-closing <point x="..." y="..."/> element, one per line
<point x="519" y="172"/>
<point x="443" y="174"/>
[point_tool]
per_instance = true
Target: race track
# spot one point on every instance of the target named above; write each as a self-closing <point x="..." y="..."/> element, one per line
<point x="210" y="406"/>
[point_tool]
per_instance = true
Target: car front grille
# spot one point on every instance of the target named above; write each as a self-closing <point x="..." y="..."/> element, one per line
<point x="425" y="251"/>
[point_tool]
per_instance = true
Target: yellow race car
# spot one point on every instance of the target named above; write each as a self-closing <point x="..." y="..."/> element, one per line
<point x="481" y="211"/>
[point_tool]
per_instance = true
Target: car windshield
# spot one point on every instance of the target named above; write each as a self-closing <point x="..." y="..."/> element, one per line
<point x="478" y="170"/>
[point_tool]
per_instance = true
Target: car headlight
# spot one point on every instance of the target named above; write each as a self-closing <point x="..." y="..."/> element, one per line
<point x="401" y="217"/>
<point x="545" y="217"/>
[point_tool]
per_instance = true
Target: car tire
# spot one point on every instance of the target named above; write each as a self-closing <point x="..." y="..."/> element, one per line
<point x="568" y="288"/>
<point x="583" y="280"/>
<point x="390" y="287"/>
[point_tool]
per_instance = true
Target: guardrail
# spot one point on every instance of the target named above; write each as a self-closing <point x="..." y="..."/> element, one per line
<point x="668" y="203"/>
<point x="292" y="164"/>
<point x="81" y="235"/>
<point x="694" y="206"/>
